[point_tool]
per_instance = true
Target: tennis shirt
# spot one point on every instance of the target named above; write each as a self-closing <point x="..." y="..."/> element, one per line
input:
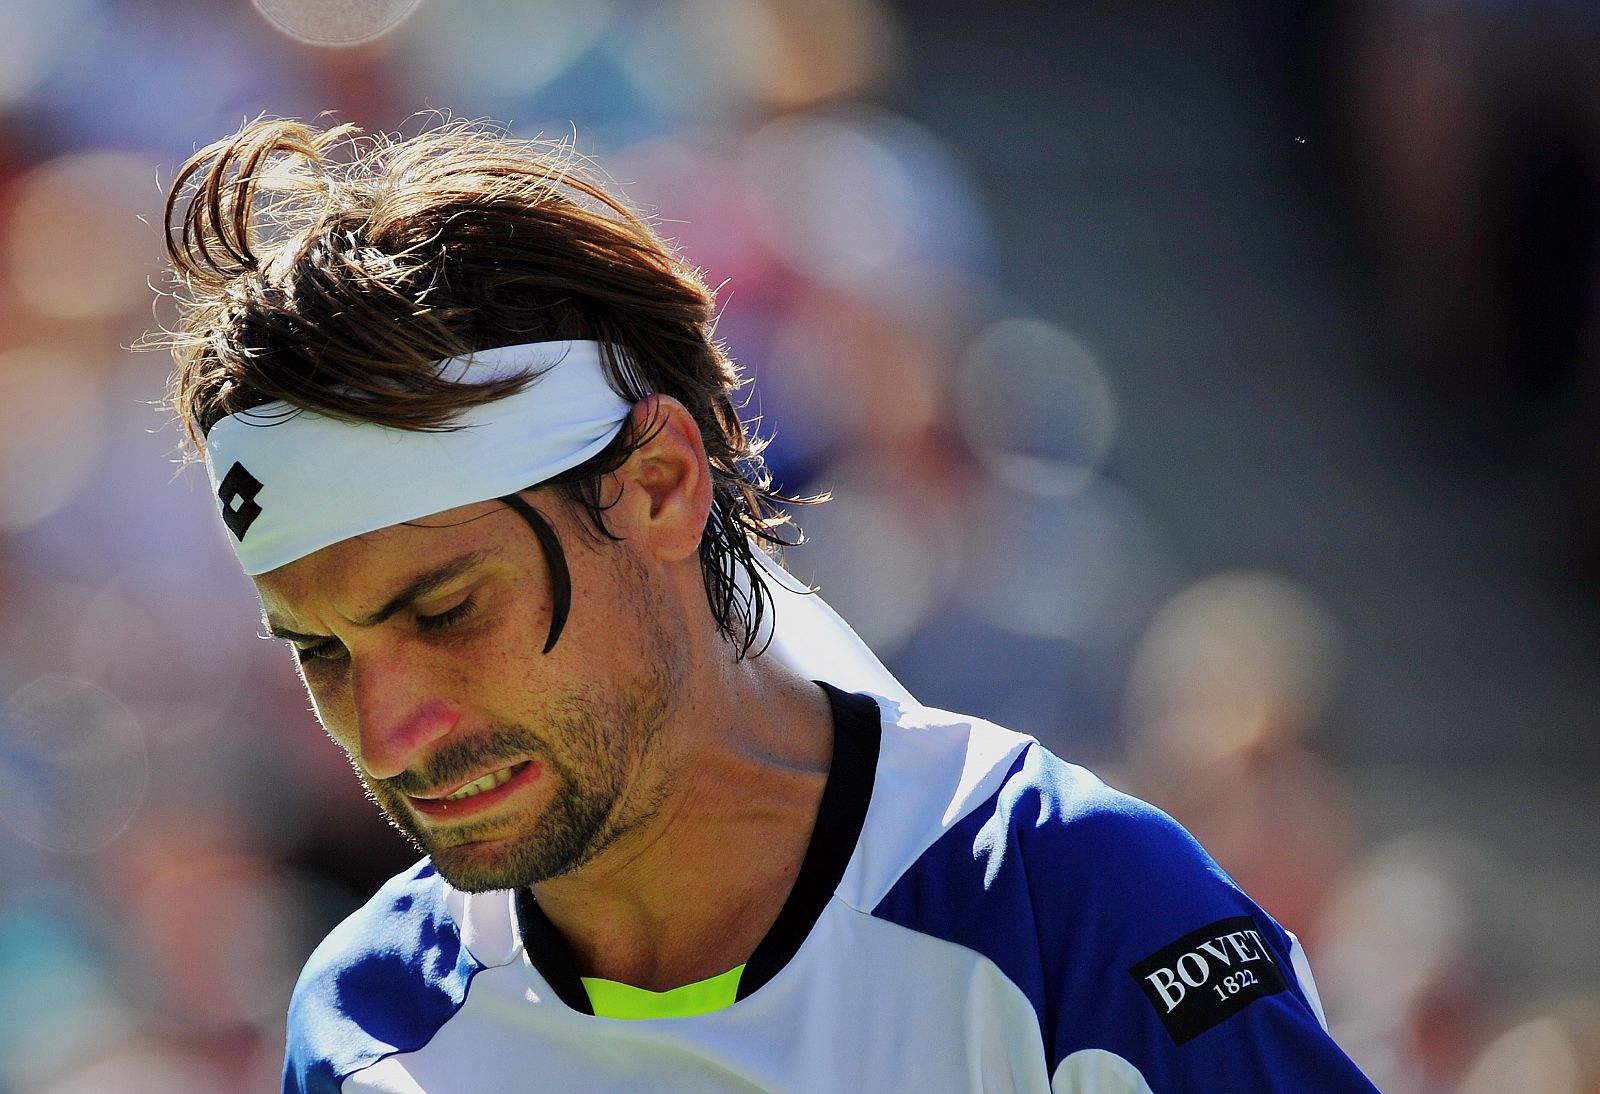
<point x="972" y="914"/>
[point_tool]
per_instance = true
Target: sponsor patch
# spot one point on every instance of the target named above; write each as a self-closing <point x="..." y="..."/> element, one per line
<point x="1208" y="975"/>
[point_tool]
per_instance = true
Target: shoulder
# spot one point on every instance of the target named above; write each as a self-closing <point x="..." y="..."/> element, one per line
<point x="1115" y="852"/>
<point x="384" y="981"/>
<point x="959" y="793"/>
<point x="1131" y="943"/>
<point x="1052" y="835"/>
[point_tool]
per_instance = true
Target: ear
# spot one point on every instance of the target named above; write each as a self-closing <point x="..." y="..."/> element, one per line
<point x="666" y="483"/>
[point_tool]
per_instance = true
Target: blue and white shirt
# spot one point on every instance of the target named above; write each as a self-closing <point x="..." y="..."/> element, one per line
<point x="972" y="914"/>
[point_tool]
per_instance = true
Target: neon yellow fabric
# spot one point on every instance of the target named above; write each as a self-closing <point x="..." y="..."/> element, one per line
<point x="611" y="999"/>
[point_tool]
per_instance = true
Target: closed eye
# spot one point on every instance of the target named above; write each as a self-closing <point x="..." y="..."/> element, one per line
<point x="432" y="624"/>
<point x="331" y="650"/>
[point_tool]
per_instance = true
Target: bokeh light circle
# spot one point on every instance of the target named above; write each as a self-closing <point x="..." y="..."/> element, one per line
<point x="336" y="23"/>
<point x="74" y="243"/>
<point x="1036" y="406"/>
<point x="839" y="201"/>
<point x="73" y="764"/>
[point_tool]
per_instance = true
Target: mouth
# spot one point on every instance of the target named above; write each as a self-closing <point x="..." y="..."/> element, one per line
<point x="481" y="794"/>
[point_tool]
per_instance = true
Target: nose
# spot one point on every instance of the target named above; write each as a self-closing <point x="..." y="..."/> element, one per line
<point x="399" y="714"/>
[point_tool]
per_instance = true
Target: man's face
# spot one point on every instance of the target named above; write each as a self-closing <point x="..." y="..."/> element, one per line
<point x="421" y="647"/>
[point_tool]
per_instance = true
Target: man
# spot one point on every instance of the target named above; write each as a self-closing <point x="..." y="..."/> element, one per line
<point x="471" y="436"/>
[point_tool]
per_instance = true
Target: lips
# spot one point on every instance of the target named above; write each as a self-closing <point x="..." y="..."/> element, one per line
<point x="480" y="794"/>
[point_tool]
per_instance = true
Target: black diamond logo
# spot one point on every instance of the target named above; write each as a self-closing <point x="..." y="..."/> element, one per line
<point x="238" y="497"/>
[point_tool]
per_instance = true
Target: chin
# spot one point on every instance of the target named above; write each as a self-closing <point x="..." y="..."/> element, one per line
<point x="500" y="864"/>
<point x="478" y="877"/>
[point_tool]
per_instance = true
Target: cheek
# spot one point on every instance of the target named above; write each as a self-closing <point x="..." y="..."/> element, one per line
<point x="331" y="706"/>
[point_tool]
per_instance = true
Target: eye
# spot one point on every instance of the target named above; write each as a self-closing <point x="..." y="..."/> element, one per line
<point x="444" y="620"/>
<point x="331" y="650"/>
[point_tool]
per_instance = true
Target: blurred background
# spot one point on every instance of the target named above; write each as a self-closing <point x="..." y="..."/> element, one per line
<point x="1211" y="394"/>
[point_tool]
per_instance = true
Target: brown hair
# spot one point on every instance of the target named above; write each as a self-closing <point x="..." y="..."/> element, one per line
<point x="334" y="270"/>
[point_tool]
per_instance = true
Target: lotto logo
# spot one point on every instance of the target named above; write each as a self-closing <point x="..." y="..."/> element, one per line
<point x="237" y="493"/>
<point x="1208" y="975"/>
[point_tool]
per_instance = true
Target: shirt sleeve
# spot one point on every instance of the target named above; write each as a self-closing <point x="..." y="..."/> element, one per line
<point x="1149" y="970"/>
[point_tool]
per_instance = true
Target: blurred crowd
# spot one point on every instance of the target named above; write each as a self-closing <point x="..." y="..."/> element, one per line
<point x="175" y="834"/>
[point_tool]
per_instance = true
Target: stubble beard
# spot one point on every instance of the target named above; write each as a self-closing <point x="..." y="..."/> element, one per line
<point x="605" y="745"/>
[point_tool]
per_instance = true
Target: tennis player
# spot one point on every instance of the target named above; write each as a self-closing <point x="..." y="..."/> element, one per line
<point x="470" y="434"/>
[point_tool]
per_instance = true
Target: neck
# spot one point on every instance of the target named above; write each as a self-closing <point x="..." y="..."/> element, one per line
<point x="691" y="891"/>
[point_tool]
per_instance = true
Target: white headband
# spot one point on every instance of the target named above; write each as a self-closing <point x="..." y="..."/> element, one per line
<point x="291" y="482"/>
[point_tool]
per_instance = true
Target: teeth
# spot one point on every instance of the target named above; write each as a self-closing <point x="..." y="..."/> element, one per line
<point x="488" y="782"/>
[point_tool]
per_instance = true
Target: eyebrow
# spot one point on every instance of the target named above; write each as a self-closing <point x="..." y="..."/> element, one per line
<point x="419" y="587"/>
